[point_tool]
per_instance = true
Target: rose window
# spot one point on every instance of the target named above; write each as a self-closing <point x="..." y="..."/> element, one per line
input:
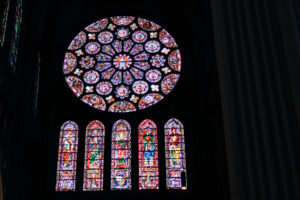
<point x="122" y="64"/>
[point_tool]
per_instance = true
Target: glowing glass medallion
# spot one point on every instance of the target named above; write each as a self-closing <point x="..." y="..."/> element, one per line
<point x="122" y="61"/>
<point x="91" y="77"/>
<point x="139" y="36"/>
<point x="104" y="88"/>
<point x="92" y="47"/>
<point x="122" y="64"/>
<point x="105" y="37"/>
<point x="140" y="87"/>
<point x="152" y="46"/>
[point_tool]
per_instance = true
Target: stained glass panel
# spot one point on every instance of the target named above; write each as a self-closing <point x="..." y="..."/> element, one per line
<point x="121" y="156"/>
<point x="148" y="155"/>
<point x="94" y="157"/>
<point x="67" y="157"/>
<point x="129" y="63"/>
<point x="13" y="54"/>
<point x="4" y="22"/>
<point x="175" y="155"/>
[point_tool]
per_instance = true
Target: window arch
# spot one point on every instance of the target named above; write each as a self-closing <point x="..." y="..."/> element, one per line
<point x="94" y="156"/>
<point x="13" y="54"/>
<point x="4" y="22"/>
<point x="121" y="156"/>
<point x="67" y="157"/>
<point x="148" y="155"/>
<point x="175" y="155"/>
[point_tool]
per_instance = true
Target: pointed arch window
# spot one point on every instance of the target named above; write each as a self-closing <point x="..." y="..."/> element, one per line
<point x="148" y="155"/>
<point x="94" y="156"/>
<point x="121" y="156"/>
<point x="13" y="54"/>
<point x="4" y="22"/>
<point x="175" y="155"/>
<point x="67" y="157"/>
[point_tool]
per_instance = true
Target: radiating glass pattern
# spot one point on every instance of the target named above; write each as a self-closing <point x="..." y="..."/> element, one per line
<point x="148" y="155"/>
<point x="121" y="156"/>
<point x="94" y="157"/>
<point x="175" y="155"/>
<point x="3" y="25"/>
<point x="13" y="54"/>
<point x="67" y="157"/>
<point x="125" y="63"/>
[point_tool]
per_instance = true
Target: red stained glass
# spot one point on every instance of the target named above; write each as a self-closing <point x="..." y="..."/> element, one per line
<point x="148" y="155"/>
<point x="94" y="157"/>
<point x="121" y="156"/>
<point x="67" y="157"/>
<point x="175" y="155"/>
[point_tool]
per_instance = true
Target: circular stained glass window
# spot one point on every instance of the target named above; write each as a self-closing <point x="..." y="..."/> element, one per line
<point x="122" y="64"/>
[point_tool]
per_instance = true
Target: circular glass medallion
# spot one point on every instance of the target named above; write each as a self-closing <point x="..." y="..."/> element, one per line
<point x="153" y="75"/>
<point x="139" y="36"/>
<point x="122" y="61"/>
<point x="122" y="33"/>
<point x="87" y="62"/>
<point x="122" y="64"/>
<point x="122" y="91"/>
<point x="152" y="46"/>
<point x="92" y="47"/>
<point x="140" y="87"/>
<point x="105" y="37"/>
<point x="104" y="88"/>
<point x="91" y="77"/>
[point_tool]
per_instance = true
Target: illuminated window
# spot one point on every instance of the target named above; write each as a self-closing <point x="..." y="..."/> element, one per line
<point x="94" y="157"/>
<point x="13" y="54"/>
<point x="4" y="22"/>
<point x="148" y="155"/>
<point x="67" y="157"/>
<point x="121" y="156"/>
<point x="175" y="155"/>
<point x="122" y="64"/>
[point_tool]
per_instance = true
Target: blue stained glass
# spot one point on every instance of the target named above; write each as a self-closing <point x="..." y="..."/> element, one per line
<point x="175" y="155"/>
<point x="121" y="156"/>
<point x="67" y="157"/>
<point x="13" y="54"/>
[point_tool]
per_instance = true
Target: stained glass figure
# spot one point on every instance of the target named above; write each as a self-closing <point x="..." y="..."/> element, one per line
<point x="121" y="156"/>
<point x="126" y="63"/>
<point x="4" y="22"/>
<point x="67" y="157"/>
<point x="94" y="157"/>
<point x="175" y="155"/>
<point x="148" y="155"/>
<point x="13" y="54"/>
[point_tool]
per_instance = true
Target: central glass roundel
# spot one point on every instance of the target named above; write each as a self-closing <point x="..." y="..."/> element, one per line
<point x="122" y="61"/>
<point x="122" y="64"/>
